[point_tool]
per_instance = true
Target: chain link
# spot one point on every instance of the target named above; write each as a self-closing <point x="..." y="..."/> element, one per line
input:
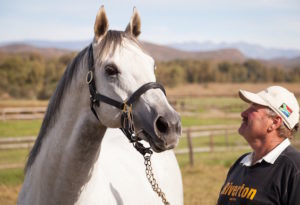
<point x="152" y="180"/>
<point x="146" y="152"/>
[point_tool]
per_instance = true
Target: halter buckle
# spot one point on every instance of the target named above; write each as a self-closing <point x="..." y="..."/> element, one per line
<point x="127" y="108"/>
<point x="89" y="77"/>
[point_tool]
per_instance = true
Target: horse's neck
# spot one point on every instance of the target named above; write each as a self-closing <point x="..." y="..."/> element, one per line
<point x="69" y="150"/>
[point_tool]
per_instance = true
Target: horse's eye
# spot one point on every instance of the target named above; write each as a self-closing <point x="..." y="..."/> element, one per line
<point x="111" y="69"/>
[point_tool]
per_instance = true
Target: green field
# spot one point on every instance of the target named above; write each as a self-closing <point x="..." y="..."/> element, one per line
<point x="19" y="128"/>
<point x="198" y="120"/>
<point x="205" y="104"/>
<point x="15" y="156"/>
<point x="202" y="182"/>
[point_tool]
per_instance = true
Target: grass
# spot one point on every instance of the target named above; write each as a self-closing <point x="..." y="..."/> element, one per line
<point x="198" y="120"/>
<point x="11" y="177"/>
<point x="23" y="103"/>
<point x="16" y="156"/>
<point x="224" y="104"/>
<point x="17" y="128"/>
<point x="9" y="194"/>
<point x="218" y="140"/>
<point x="202" y="182"/>
<point x="10" y="185"/>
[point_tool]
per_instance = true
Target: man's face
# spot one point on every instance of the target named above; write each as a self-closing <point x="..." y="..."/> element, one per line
<point x="255" y="122"/>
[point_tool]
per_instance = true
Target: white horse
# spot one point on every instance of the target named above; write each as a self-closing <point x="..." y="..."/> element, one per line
<point x="72" y="162"/>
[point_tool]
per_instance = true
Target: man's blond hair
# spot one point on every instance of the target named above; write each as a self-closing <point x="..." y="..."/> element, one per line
<point x="283" y="130"/>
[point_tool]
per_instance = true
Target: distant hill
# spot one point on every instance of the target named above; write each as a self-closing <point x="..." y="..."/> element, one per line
<point x="159" y="52"/>
<point x="183" y="50"/>
<point x="25" y="48"/>
<point x="164" y="53"/>
<point x="249" y="50"/>
<point x="64" y="45"/>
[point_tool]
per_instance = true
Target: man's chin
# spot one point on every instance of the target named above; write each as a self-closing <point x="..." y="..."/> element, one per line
<point x="241" y="130"/>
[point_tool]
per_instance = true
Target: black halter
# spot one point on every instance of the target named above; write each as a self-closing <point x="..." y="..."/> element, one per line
<point x="126" y="106"/>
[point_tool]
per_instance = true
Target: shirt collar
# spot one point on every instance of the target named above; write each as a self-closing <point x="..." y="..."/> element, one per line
<point x="270" y="157"/>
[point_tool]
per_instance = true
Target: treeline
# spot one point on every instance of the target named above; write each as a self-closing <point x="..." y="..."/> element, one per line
<point x="33" y="76"/>
<point x="189" y="71"/>
<point x="30" y="75"/>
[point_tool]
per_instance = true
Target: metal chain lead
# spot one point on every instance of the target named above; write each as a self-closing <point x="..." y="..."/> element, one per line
<point x="146" y="152"/>
<point x="152" y="180"/>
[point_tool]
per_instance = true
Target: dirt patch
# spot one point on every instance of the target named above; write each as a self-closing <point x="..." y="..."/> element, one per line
<point x="8" y="194"/>
<point x="225" y="89"/>
<point x="202" y="184"/>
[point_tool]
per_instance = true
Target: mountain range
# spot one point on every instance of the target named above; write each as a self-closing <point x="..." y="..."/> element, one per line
<point x="158" y="52"/>
<point x="236" y="52"/>
<point x="249" y="50"/>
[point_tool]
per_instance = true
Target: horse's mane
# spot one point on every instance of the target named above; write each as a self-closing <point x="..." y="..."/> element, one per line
<point x="54" y="105"/>
<point x="111" y="40"/>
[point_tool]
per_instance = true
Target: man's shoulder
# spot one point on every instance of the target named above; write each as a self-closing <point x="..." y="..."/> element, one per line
<point x="238" y="161"/>
<point x="292" y="156"/>
<point x="242" y="157"/>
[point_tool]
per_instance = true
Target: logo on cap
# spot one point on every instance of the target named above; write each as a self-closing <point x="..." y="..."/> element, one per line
<point x="285" y="110"/>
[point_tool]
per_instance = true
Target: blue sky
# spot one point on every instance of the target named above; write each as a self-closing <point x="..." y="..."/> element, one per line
<point x="270" y="23"/>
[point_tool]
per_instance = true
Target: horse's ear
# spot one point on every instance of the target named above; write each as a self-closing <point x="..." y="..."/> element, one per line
<point x="101" y="24"/>
<point x="134" y="26"/>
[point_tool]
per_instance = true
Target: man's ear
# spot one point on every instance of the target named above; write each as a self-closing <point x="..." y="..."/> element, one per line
<point x="277" y="122"/>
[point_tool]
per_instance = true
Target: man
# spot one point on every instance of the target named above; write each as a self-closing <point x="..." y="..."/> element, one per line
<point x="271" y="173"/>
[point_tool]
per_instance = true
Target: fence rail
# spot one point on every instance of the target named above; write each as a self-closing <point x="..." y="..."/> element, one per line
<point x="209" y="131"/>
<point x="30" y="113"/>
<point x="193" y="131"/>
<point x="187" y="132"/>
<point x="22" y="113"/>
<point x="17" y="142"/>
<point x="11" y="143"/>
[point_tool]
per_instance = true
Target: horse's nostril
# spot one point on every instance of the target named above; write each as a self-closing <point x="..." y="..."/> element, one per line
<point x="162" y="125"/>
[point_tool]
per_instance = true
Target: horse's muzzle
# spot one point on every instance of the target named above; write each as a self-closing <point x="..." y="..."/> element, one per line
<point x="168" y="130"/>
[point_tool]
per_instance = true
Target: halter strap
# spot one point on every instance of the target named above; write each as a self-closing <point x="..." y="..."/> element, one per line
<point x="142" y="90"/>
<point x="126" y="106"/>
<point x="96" y="97"/>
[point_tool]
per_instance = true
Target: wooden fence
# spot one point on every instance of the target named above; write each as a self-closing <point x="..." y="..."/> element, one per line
<point x="188" y="132"/>
<point x="210" y="132"/>
<point x="17" y="142"/>
<point x="22" y="113"/>
<point x="30" y="113"/>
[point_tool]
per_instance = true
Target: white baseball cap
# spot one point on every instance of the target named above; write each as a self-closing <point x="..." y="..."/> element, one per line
<point x="277" y="98"/>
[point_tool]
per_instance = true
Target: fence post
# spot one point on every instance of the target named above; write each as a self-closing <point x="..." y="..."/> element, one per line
<point x="190" y="146"/>
<point x="226" y="139"/>
<point x="211" y="142"/>
<point x="3" y="115"/>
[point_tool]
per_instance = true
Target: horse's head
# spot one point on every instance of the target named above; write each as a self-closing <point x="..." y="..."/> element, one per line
<point x="121" y="68"/>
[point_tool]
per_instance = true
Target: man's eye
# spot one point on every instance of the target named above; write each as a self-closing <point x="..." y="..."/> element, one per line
<point x="111" y="70"/>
